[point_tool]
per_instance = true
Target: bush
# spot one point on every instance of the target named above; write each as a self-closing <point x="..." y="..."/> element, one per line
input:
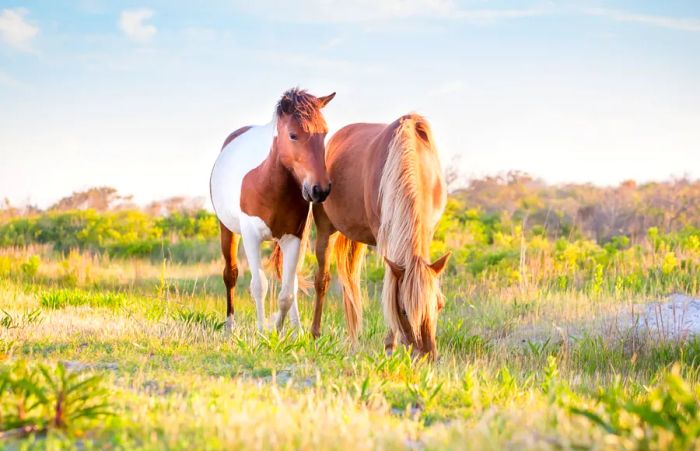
<point x="30" y="268"/>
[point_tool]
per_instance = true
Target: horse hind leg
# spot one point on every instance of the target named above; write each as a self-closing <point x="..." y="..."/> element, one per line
<point x="229" y="249"/>
<point x="290" y="246"/>
<point x="349" y="256"/>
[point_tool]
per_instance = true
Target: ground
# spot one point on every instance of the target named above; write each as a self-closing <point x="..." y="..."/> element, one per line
<point x="553" y="371"/>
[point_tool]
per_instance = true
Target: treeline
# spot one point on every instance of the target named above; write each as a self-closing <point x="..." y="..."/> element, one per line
<point x="584" y="210"/>
<point x="181" y="236"/>
<point x="508" y="230"/>
<point x="100" y="220"/>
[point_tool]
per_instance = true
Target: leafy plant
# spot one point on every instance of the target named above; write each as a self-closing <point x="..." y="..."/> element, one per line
<point x="667" y="415"/>
<point x="424" y="391"/>
<point x="38" y="398"/>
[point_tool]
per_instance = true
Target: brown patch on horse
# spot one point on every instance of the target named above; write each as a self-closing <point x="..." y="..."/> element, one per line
<point x="235" y="135"/>
<point x="271" y="193"/>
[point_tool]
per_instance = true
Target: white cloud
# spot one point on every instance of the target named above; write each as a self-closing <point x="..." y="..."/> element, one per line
<point x="15" y="30"/>
<point x="496" y="14"/>
<point x="373" y="10"/>
<point x="674" y="23"/>
<point x="347" y="10"/>
<point x="133" y="23"/>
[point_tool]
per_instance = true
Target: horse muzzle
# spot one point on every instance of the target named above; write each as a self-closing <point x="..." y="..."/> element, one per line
<point x="315" y="193"/>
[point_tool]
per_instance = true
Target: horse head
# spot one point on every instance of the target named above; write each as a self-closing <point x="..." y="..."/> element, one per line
<point x="301" y="133"/>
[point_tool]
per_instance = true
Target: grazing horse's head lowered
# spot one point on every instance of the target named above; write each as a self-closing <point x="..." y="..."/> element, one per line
<point x="301" y="131"/>
<point x="415" y="300"/>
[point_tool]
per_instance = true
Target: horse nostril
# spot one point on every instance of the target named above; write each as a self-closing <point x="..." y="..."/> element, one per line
<point x="316" y="191"/>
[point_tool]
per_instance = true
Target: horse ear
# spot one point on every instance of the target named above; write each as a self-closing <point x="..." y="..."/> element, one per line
<point x="286" y="106"/>
<point x="398" y="270"/>
<point x="439" y="265"/>
<point x="422" y="131"/>
<point x="323" y="101"/>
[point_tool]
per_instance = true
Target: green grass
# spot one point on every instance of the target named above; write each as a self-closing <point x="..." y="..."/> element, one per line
<point x="523" y="369"/>
<point x="57" y="299"/>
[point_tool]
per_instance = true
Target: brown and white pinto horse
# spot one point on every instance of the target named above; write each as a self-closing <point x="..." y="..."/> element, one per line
<point x="261" y="186"/>
<point x="388" y="191"/>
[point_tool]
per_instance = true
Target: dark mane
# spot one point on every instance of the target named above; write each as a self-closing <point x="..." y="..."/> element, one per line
<point x="305" y="108"/>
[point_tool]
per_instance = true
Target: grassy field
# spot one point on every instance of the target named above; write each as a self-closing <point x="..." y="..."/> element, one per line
<point x="126" y="354"/>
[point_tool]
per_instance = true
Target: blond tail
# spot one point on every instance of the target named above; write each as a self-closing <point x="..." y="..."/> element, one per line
<point x="275" y="260"/>
<point x="349" y="255"/>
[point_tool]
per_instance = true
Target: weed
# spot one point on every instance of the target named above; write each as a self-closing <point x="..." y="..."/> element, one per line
<point x="10" y="322"/>
<point x="38" y="398"/>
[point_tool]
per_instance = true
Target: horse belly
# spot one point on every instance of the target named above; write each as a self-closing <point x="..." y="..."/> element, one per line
<point x="239" y="157"/>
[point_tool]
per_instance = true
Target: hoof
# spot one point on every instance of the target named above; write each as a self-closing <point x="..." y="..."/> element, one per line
<point x="230" y="324"/>
<point x="273" y="323"/>
<point x="297" y="331"/>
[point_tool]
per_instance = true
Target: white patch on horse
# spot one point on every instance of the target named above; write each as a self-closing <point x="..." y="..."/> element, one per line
<point x="237" y="159"/>
<point x="254" y="232"/>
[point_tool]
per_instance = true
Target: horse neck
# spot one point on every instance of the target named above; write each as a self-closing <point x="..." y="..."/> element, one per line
<point x="274" y="176"/>
<point x="403" y="232"/>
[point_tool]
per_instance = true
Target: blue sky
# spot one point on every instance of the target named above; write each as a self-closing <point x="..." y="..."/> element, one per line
<point x="140" y="95"/>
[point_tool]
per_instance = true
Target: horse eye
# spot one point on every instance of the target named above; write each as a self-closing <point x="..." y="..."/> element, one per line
<point x="293" y="136"/>
<point x="403" y="312"/>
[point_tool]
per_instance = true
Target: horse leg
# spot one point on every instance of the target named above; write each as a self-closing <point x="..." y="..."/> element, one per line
<point x="229" y="249"/>
<point x="348" y="256"/>
<point x="324" y="237"/>
<point x="390" y="342"/>
<point x="290" y="246"/>
<point x="258" y="281"/>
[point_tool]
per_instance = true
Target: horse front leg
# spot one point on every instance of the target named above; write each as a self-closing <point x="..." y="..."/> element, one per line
<point x="390" y="342"/>
<point x="258" y="283"/>
<point x="325" y="235"/>
<point x="290" y="246"/>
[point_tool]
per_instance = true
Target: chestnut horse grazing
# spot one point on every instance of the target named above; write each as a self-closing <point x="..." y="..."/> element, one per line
<point x="261" y="186"/>
<point x="388" y="191"/>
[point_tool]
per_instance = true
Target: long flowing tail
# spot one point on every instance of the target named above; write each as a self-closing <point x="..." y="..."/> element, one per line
<point x="349" y="256"/>
<point x="275" y="260"/>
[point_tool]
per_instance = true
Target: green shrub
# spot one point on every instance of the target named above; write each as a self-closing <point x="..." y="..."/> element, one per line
<point x="30" y="267"/>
